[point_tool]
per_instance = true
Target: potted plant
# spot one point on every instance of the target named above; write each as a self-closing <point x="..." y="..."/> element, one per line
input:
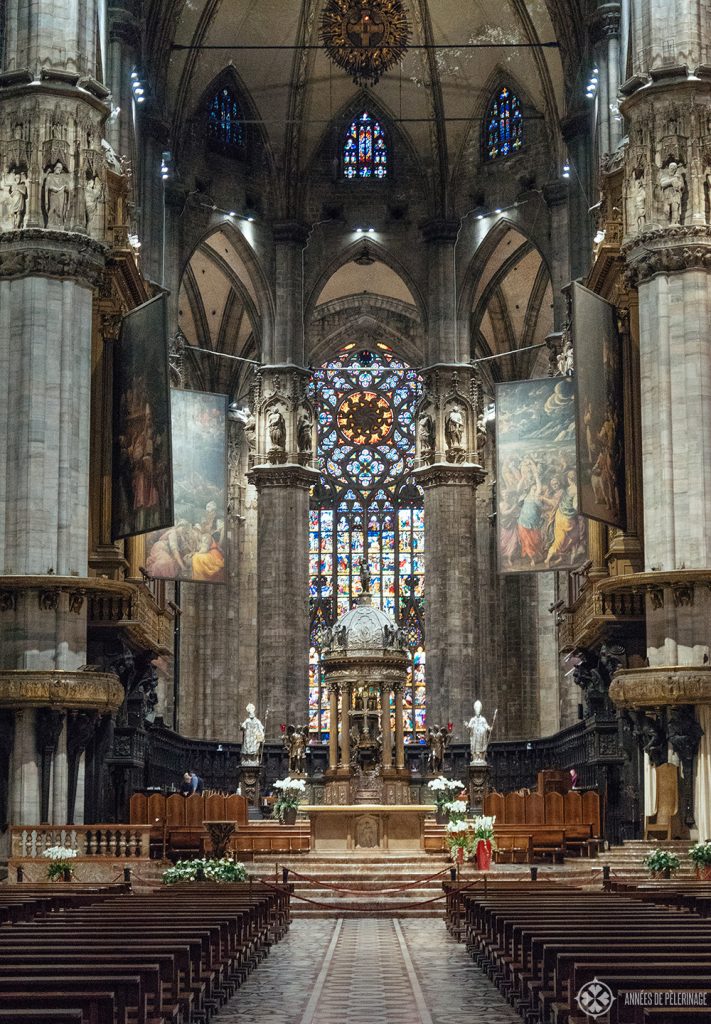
<point x="700" y="854"/>
<point x="59" y="866"/>
<point x="442" y="791"/>
<point x="661" y="863"/>
<point x="204" y="870"/>
<point x="484" y="842"/>
<point x="458" y="838"/>
<point x="290" y="793"/>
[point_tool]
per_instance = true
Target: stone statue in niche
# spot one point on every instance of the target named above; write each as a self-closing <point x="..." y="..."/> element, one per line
<point x="250" y="432"/>
<point x="17" y="188"/>
<point x="454" y="434"/>
<point x="639" y="198"/>
<point x="427" y="435"/>
<point x="479" y="733"/>
<point x="56" y="195"/>
<point x="276" y="428"/>
<point x="93" y="196"/>
<point x="304" y="432"/>
<point x="673" y="185"/>
<point x="565" y="360"/>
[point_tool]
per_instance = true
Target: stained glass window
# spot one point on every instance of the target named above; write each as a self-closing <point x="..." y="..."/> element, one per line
<point x="504" y="125"/>
<point x="365" y="152"/>
<point x="366" y="499"/>
<point x="224" y="122"/>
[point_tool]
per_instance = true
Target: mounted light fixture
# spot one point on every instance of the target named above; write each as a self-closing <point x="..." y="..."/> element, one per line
<point x="363" y="257"/>
<point x="365" y="37"/>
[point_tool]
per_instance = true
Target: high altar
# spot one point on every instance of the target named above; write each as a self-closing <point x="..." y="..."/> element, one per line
<point x="367" y="794"/>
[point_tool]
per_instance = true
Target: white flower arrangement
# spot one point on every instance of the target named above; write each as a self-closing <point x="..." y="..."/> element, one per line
<point x="224" y="870"/>
<point x="290" y="792"/>
<point x="59" y="853"/>
<point x="60" y="857"/>
<point x="456" y="810"/>
<point x="484" y="826"/>
<point x="457" y="827"/>
<point x="441" y="785"/>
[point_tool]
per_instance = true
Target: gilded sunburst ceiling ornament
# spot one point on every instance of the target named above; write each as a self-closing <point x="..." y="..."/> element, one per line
<point x="365" y="38"/>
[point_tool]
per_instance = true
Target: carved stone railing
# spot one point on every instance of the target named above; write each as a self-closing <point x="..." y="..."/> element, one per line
<point x="600" y="610"/>
<point x="59" y="688"/>
<point x="677" y="588"/>
<point x="127" y="605"/>
<point x="116" y="841"/>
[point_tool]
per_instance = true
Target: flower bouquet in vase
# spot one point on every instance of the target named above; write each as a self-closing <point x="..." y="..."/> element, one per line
<point x="59" y="866"/>
<point x="484" y="842"/>
<point x="442" y="791"/>
<point x="458" y="838"/>
<point x="700" y="854"/>
<point x="661" y="863"/>
<point x="290" y="793"/>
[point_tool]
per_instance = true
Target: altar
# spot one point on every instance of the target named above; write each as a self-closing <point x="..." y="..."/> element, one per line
<point x="393" y="828"/>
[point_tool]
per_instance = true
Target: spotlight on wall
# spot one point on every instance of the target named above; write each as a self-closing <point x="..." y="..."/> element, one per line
<point x="556" y="606"/>
<point x="137" y="87"/>
<point x="165" y="169"/>
<point x="566" y="170"/>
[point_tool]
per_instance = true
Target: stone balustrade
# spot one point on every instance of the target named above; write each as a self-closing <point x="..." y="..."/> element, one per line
<point x="90" y="841"/>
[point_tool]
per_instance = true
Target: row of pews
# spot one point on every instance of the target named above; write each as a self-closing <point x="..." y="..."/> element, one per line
<point x="170" y="957"/>
<point x="543" y="943"/>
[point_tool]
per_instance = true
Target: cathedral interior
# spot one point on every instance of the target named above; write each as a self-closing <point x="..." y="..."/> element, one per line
<point x="355" y="366"/>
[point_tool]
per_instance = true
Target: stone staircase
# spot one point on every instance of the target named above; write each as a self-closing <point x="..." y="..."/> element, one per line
<point x="361" y="884"/>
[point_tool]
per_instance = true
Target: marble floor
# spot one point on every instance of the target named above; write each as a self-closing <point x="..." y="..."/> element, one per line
<point x="367" y="971"/>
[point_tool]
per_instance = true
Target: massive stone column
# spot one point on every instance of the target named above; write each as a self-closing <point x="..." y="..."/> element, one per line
<point x="52" y="231"/>
<point x="667" y="249"/>
<point x="283" y="473"/>
<point x="449" y="472"/>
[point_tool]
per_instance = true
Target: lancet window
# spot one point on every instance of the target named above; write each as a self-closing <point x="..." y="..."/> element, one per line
<point x="365" y="151"/>
<point x="225" y="130"/>
<point x="503" y="127"/>
<point x="366" y="500"/>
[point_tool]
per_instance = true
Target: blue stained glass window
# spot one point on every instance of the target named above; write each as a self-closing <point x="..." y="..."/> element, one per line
<point x="225" y="130"/>
<point x="366" y="402"/>
<point x="365" y="151"/>
<point x="504" y="132"/>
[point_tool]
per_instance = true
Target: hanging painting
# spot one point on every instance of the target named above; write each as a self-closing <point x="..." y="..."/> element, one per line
<point x="142" y="491"/>
<point x="598" y="375"/>
<point x="195" y="547"/>
<point x="539" y="526"/>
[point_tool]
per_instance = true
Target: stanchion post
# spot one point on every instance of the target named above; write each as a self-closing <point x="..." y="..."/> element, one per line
<point x="452" y="874"/>
<point x="285" y="875"/>
<point x="127" y="875"/>
<point x="606" y="876"/>
<point x="20" y="873"/>
<point x="534" y="873"/>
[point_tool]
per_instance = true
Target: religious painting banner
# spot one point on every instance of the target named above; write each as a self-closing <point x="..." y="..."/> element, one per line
<point x="195" y="548"/>
<point x="142" y="485"/>
<point x="598" y="375"/>
<point x="539" y="526"/>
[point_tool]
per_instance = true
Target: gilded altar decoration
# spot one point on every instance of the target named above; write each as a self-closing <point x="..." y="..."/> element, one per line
<point x="539" y="525"/>
<point x="366" y="39"/>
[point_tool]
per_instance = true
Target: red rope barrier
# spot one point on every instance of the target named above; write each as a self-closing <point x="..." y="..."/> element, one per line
<point x="358" y="908"/>
<point x="339" y="888"/>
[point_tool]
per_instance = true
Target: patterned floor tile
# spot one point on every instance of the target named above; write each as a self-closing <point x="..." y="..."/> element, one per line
<point x="367" y="971"/>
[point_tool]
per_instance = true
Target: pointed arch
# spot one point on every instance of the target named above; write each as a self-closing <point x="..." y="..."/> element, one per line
<point x="378" y="253"/>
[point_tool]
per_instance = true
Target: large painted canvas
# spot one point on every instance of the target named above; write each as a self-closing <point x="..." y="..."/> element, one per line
<point x="142" y="493"/>
<point x="194" y="548"/>
<point x="539" y="527"/>
<point x="598" y="375"/>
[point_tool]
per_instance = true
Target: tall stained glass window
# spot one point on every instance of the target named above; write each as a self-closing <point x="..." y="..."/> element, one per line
<point x="366" y="500"/>
<point x="365" y="152"/>
<point x="225" y="130"/>
<point x="504" y="125"/>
